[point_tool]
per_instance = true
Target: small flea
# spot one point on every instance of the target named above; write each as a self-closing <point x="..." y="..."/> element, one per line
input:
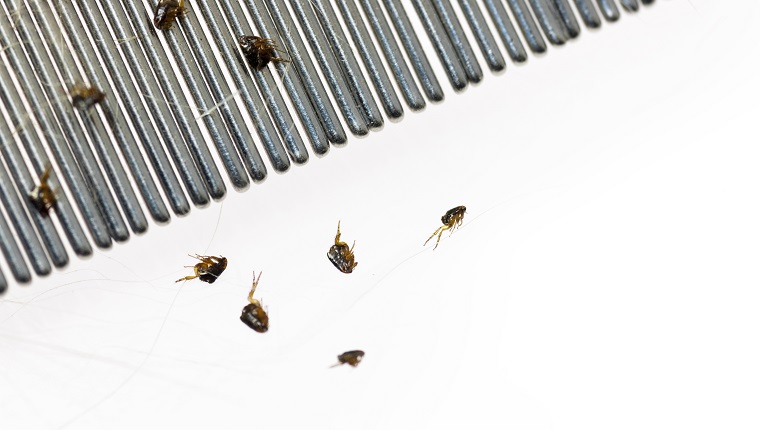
<point x="259" y="51"/>
<point x="208" y="269"/>
<point x="83" y="96"/>
<point x="166" y="12"/>
<point x="341" y="256"/>
<point x="43" y="196"/>
<point x="451" y="220"/>
<point x="352" y="358"/>
<point x="254" y="315"/>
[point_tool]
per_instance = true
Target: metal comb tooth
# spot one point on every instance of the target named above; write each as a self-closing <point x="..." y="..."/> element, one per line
<point x="392" y="53"/>
<point x="528" y="27"/>
<point x="567" y="18"/>
<point x="12" y="253"/>
<point x="609" y="10"/>
<point x="306" y="70"/>
<point x="3" y="283"/>
<point x="50" y="46"/>
<point x="630" y="5"/>
<point x="441" y="44"/>
<point x="373" y="64"/>
<point x="356" y="121"/>
<point x="454" y="30"/>
<point x="506" y="30"/>
<point x="354" y="79"/>
<point x="408" y="37"/>
<point x="553" y="30"/>
<point x="588" y="13"/>
<point x="485" y="39"/>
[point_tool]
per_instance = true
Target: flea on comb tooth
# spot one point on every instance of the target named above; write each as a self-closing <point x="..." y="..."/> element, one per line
<point x="166" y="12"/>
<point x="341" y="256"/>
<point x="43" y="196"/>
<point x="14" y="210"/>
<point x="208" y="270"/>
<point x="18" y="170"/>
<point x="259" y="51"/>
<point x="292" y="83"/>
<point x="83" y="96"/>
<point x="254" y="315"/>
<point x="451" y="220"/>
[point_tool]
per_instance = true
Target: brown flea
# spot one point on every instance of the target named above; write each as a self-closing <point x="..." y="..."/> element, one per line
<point x="208" y="269"/>
<point x="166" y="12"/>
<point x="254" y="315"/>
<point x="83" y="96"/>
<point x="352" y="358"/>
<point x="451" y="220"/>
<point x="341" y="256"/>
<point x="259" y="51"/>
<point x="43" y="195"/>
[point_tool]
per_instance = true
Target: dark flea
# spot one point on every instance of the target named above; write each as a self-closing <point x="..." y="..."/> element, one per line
<point x="451" y="220"/>
<point x="259" y="51"/>
<point x="83" y="96"/>
<point x="254" y="315"/>
<point x="341" y="255"/>
<point x="208" y="269"/>
<point x="43" y="195"/>
<point x="166" y="12"/>
<point x="352" y="358"/>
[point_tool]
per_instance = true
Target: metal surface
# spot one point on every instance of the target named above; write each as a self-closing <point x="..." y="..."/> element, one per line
<point x="393" y="56"/>
<point x="172" y="94"/>
<point x="441" y="43"/>
<point x="373" y="64"/>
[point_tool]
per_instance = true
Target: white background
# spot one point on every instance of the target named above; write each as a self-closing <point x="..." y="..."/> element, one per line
<point x="606" y="276"/>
